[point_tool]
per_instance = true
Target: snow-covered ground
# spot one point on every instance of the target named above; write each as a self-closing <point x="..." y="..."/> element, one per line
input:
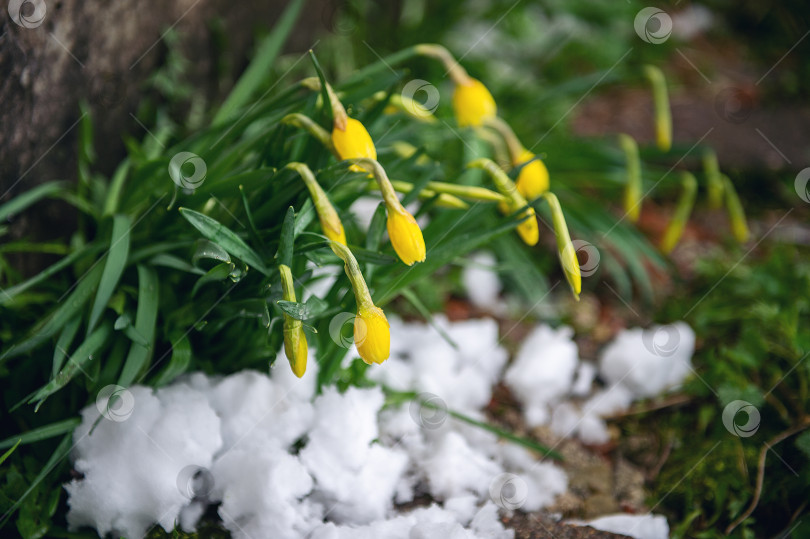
<point x="283" y="462"/>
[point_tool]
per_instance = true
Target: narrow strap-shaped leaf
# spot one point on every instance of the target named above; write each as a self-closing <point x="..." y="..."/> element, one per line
<point x="113" y="267"/>
<point x="425" y="312"/>
<point x="145" y="322"/>
<point x="327" y="102"/>
<point x="178" y="364"/>
<point x="175" y="262"/>
<point x="77" y="363"/>
<point x="220" y="272"/>
<point x="285" y="244"/>
<point x="262" y="62"/>
<point x="225" y="238"/>
<point x="42" y="433"/>
<point x="254" y="233"/>
<point x="8" y="453"/>
<point x="32" y="196"/>
<point x="8" y="295"/>
<point x="60" y="453"/>
<point x="63" y="343"/>
<point x="68" y="310"/>
<point x="116" y="187"/>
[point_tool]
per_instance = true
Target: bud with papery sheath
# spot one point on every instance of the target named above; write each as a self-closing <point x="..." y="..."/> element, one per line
<point x="565" y="248"/>
<point x="372" y="334"/>
<point x="327" y="215"/>
<point x="514" y="201"/>
<point x="682" y="211"/>
<point x="295" y="342"/>
<point x="403" y="230"/>
<point x="632" y="189"/>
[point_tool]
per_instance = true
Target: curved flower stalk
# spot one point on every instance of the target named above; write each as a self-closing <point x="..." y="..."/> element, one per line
<point x="372" y="334"/>
<point x="403" y="230"/>
<point x="306" y="123"/>
<point x="408" y="106"/>
<point x="295" y="342"/>
<point x="674" y="231"/>
<point x="442" y="199"/>
<point x="527" y="229"/>
<point x="327" y="215"/>
<point x="663" y="116"/>
<point x="532" y="180"/>
<point x="473" y="104"/>
<point x="565" y="247"/>
<point x="632" y="189"/>
<point x="406" y="150"/>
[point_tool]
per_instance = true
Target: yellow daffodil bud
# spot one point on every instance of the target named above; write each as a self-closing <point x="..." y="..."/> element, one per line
<point x="632" y="189"/>
<point x="295" y="348"/>
<point x="372" y="335"/>
<point x="330" y="221"/>
<point x="565" y="247"/>
<point x="406" y="236"/>
<point x="353" y="142"/>
<point x="403" y="230"/>
<point x="532" y="180"/>
<point x="527" y="228"/>
<point x="295" y="342"/>
<point x="676" y="226"/>
<point x="663" y="116"/>
<point x="736" y="214"/>
<point x="714" y="180"/>
<point x="473" y="104"/>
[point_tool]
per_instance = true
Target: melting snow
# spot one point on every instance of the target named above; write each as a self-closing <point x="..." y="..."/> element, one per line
<point x="281" y="462"/>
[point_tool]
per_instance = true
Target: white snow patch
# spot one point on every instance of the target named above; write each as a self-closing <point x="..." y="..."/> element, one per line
<point x="284" y="462"/>
<point x="636" y="526"/>
<point x="543" y="371"/>
<point x="649" y="361"/>
<point x="482" y="284"/>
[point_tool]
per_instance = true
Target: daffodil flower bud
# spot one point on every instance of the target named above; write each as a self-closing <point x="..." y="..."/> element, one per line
<point x="372" y="334"/>
<point x="353" y="142"/>
<point x="565" y="248"/>
<point x="714" y="180"/>
<point x="473" y="104"/>
<point x="532" y="180"/>
<point x="403" y="230"/>
<point x="663" y="116"/>
<point x="295" y="342"/>
<point x="632" y="189"/>
<point x="736" y="214"/>
<point x="406" y="236"/>
<point x="330" y="221"/>
<point x="527" y="228"/>
<point x="350" y="139"/>
<point x="676" y="226"/>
